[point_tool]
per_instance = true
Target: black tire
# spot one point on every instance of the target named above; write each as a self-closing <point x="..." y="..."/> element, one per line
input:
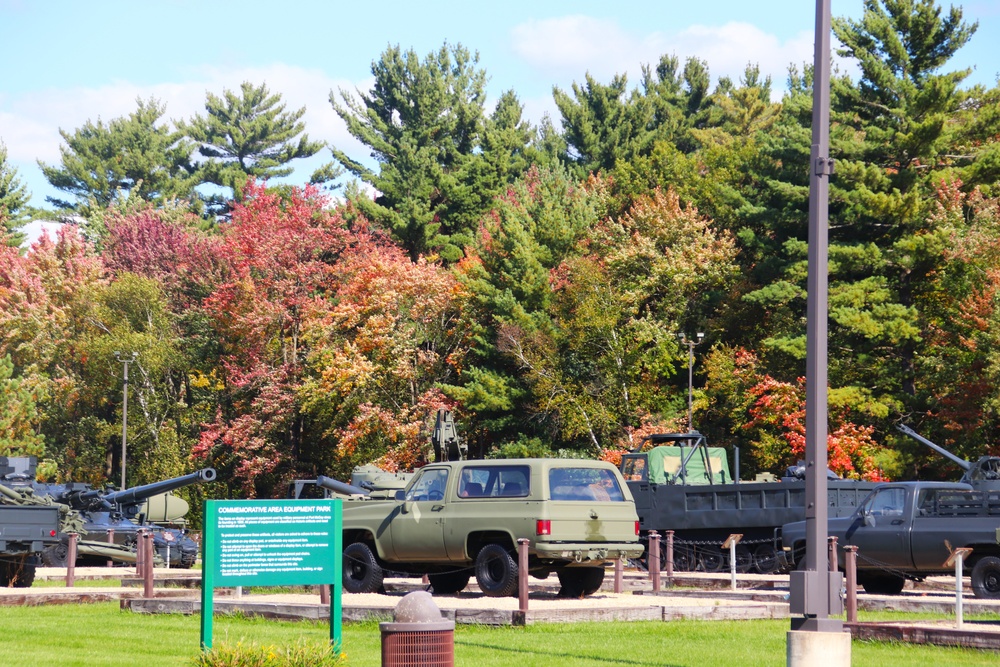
<point x="362" y="573"/>
<point x="882" y="584"/>
<point x="744" y="559"/>
<point x="711" y="560"/>
<point x="496" y="571"/>
<point x="986" y="578"/>
<point x="765" y="559"/>
<point x="17" y="573"/>
<point x="579" y="582"/>
<point x="684" y="560"/>
<point x="449" y="583"/>
<point x="55" y="556"/>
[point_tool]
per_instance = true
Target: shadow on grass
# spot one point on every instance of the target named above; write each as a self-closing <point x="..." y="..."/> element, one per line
<point x="560" y="654"/>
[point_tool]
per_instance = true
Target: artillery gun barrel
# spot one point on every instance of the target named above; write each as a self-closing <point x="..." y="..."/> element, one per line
<point x="139" y="494"/>
<point x="903" y="428"/>
<point x="10" y="493"/>
<point x="340" y="487"/>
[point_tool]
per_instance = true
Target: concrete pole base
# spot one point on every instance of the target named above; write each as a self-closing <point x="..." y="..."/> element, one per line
<point x="808" y="649"/>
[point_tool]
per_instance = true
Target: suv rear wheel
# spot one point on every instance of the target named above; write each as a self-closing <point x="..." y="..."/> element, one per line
<point x="496" y="571"/>
<point x="362" y="573"/>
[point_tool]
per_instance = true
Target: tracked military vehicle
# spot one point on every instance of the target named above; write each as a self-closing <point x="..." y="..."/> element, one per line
<point x="682" y="484"/>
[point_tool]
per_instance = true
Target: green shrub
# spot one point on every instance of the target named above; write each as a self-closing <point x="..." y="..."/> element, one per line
<point x="302" y="654"/>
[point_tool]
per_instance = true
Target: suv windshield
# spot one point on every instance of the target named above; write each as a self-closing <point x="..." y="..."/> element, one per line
<point x="584" y="484"/>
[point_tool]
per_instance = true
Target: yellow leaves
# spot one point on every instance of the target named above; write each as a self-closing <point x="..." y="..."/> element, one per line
<point x="199" y="380"/>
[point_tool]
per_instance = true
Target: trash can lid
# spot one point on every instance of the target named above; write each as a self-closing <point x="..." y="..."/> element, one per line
<point x="417" y="607"/>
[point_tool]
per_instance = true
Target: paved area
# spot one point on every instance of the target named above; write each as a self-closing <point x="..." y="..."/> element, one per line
<point x="692" y="595"/>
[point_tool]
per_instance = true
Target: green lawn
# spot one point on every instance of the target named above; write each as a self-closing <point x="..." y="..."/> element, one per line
<point x="101" y="635"/>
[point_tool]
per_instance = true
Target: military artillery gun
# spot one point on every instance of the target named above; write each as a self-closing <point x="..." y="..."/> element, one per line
<point x="111" y="520"/>
<point x="373" y="483"/>
<point x="125" y="512"/>
<point x="983" y="475"/>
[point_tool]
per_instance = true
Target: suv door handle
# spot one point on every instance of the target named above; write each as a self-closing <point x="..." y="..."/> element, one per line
<point x="437" y="508"/>
<point x="897" y="522"/>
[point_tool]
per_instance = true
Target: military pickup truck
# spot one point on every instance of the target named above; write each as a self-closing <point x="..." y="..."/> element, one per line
<point x="25" y="531"/>
<point x="456" y="518"/>
<point x="907" y="530"/>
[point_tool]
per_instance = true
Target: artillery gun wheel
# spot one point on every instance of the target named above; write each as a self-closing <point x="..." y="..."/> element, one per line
<point x="362" y="573"/>
<point x="16" y="572"/>
<point x="882" y="584"/>
<point x="579" y="582"/>
<point x="986" y="577"/>
<point x="449" y="583"/>
<point x="765" y="559"/>
<point x="496" y="571"/>
<point x="56" y="555"/>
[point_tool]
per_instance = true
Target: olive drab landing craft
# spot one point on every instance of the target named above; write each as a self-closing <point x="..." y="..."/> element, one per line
<point x="682" y="484"/>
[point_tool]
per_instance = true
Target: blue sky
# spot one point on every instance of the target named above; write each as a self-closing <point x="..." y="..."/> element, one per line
<point x="69" y="61"/>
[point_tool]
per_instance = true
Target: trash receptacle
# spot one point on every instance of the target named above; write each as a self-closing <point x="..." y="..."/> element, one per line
<point x="418" y="636"/>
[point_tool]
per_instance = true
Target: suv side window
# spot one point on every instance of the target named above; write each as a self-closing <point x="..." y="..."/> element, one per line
<point x="429" y="485"/>
<point x="486" y="481"/>
<point x="584" y="484"/>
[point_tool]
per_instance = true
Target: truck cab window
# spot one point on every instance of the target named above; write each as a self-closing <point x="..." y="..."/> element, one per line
<point x="429" y="485"/>
<point x="887" y="502"/>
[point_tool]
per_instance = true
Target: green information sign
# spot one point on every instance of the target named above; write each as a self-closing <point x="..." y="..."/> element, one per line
<point x="271" y="543"/>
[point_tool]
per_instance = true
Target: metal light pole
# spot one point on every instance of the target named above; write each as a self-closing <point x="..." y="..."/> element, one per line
<point x="125" y="361"/>
<point x="815" y="592"/>
<point x="690" y="343"/>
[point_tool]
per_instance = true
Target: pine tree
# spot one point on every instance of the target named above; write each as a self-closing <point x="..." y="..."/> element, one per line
<point x="14" y="199"/>
<point x="135" y="155"/>
<point x="248" y="134"/>
<point x="441" y="160"/>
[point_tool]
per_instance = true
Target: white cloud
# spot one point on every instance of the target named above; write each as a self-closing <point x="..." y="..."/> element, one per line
<point x="571" y="45"/>
<point x="30" y="122"/>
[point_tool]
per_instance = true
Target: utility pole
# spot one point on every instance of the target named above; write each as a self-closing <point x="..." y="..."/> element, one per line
<point x="125" y="361"/>
<point x="690" y="343"/>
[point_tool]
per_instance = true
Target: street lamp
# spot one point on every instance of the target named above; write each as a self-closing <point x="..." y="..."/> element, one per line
<point x="690" y="343"/>
<point x="122" y="359"/>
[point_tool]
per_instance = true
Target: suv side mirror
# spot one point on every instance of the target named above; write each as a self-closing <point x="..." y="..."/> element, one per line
<point x="869" y="519"/>
<point x="400" y="495"/>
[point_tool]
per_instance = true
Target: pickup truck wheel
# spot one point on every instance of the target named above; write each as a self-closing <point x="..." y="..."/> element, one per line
<point x="986" y="577"/>
<point x="55" y="556"/>
<point x="362" y="573"/>
<point x="496" y="571"/>
<point x="17" y="573"/>
<point x="579" y="582"/>
<point x="882" y="584"/>
<point x="449" y="583"/>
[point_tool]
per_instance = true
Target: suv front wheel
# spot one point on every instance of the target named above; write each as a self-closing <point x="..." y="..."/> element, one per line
<point x="496" y="571"/>
<point x="362" y="573"/>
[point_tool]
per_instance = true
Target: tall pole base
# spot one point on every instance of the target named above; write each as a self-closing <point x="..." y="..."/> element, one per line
<point x="810" y="648"/>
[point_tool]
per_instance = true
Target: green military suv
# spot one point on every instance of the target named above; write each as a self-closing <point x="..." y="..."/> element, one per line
<point x="458" y="518"/>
